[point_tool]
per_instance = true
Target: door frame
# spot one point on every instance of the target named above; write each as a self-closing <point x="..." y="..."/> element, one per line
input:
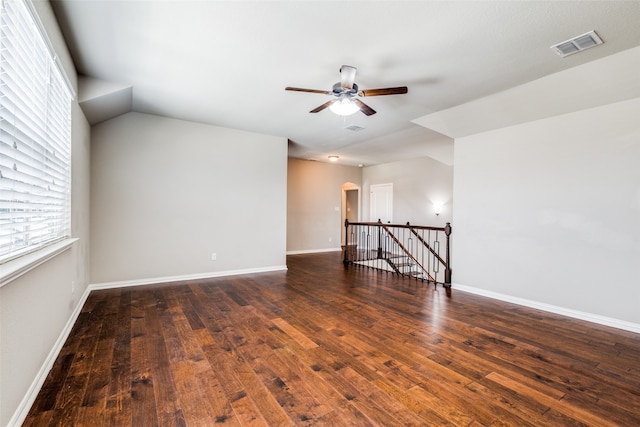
<point x="374" y="187"/>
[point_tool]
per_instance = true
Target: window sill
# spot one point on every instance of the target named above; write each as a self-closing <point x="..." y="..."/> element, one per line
<point x="15" y="268"/>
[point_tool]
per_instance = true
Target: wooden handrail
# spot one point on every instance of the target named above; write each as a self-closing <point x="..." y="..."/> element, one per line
<point x="407" y="225"/>
<point x="412" y="254"/>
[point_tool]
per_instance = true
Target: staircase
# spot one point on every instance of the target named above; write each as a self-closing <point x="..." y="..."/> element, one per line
<point x="405" y="266"/>
<point x="407" y="250"/>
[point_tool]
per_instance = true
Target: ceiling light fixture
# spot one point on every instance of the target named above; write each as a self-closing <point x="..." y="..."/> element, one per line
<point x="344" y="107"/>
<point x="334" y="158"/>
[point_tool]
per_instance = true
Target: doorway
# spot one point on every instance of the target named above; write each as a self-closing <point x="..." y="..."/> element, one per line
<point x="350" y="206"/>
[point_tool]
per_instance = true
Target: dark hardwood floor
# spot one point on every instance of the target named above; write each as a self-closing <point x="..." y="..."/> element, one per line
<point x="325" y="345"/>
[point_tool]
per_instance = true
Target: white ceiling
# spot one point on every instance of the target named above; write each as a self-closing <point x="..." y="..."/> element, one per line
<point x="226" y="63"/>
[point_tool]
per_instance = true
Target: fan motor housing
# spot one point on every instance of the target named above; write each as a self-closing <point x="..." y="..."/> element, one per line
<point x="339" y="90"/>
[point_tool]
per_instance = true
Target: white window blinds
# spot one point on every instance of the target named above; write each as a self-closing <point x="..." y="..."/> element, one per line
<point x="35" y="137"/>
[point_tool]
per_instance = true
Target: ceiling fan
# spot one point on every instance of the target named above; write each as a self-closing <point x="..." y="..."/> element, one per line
<point x="346" y="92"/>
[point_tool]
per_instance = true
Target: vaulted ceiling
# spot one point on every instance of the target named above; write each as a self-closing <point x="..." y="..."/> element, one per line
<point x="226" y="63"/>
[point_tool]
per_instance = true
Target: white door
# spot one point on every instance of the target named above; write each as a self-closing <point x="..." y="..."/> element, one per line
<point x="381" y="202"/>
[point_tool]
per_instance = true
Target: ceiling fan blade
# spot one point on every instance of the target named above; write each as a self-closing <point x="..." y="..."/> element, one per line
<point x="347" y="76"/>
<point x="298" y="89"/>
<point x="323" y="106"/>
<point x="364" y="107"/>
<point x="385" y="91"/>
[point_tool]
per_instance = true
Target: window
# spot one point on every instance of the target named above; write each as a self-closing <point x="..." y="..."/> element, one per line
<point x="35" y="136"/>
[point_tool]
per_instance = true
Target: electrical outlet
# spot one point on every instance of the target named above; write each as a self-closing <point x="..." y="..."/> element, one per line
<point x="214" y="256"/>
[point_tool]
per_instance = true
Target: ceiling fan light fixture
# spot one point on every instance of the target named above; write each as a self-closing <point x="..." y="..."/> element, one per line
<point x="344" y="107"/>
<point x="347" y="94"/>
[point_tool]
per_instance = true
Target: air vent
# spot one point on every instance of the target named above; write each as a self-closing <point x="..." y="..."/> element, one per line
<point x="354" y="128"/>
<point x="577" y="44"/>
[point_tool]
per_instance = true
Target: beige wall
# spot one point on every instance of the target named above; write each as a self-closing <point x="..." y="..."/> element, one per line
<point x="417" y="184"/>
<point x="315" y="221"/>
<point x="166" y="194"/>
<point x="35" y="308"/>
<point x="548" y="211"/>
<point x="314" y="204"/>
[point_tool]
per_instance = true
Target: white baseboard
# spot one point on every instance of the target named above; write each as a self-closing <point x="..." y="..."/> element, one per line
<point x="168" y="279"/>
<point x="25" y="405"/>
<point x="589" y="317"/>
<point x="314" y="251"/>
<point x="27" y="401"/>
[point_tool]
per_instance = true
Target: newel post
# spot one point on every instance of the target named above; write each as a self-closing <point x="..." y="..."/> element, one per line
<point x="447" y="271"/>
<point x="345" y="260"/>
<point x="379" y="238"/>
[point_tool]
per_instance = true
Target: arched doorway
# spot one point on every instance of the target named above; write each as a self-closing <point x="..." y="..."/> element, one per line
<point x="350" y="205"/>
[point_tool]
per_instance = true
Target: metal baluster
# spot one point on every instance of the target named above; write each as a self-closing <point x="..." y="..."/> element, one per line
<point x="422" y="255"/>
<point x="429" y="256"/>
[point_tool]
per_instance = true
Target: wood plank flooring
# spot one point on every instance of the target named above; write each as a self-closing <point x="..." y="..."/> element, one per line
<point x="324" y="345"/>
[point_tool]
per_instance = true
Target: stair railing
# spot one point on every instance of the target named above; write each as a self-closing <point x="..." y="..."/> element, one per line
<point x="408" y="250"/>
